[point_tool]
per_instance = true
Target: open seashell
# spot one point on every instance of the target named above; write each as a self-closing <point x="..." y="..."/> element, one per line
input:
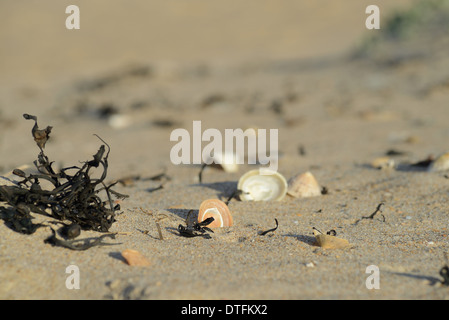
<point x="218" y="210"/>
<point x="135" y="258"/>
<point x="255" y="186"/>
<point x="326" y="241"/>
<point x="440" y="164"/>
<point x="303" y="185"/>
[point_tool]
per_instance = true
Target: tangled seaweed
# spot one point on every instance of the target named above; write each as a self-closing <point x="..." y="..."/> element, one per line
<point x="74" y="197"/>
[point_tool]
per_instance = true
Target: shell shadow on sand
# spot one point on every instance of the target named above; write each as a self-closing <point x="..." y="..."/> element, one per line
<point x="309" y="240"/>
<point x="183" y="213"/>
<point x="402" y="167"/>
<point x="432" y="280"/>
<point x="225" y="189"/>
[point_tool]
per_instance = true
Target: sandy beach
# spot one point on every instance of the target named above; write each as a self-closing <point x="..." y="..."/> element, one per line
<point x="137" y="70"/>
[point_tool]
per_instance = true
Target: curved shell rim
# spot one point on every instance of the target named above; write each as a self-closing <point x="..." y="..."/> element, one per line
<point x="222" y="208"/>
<point x="256" y="172"/>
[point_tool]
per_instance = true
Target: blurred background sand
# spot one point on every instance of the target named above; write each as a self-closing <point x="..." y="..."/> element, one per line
<point x="36" y="46"/>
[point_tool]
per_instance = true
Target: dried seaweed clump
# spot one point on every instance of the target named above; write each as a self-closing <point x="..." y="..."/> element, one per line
<point x="74" y="197"/>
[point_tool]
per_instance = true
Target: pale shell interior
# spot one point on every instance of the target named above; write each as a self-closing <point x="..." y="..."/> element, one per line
<point x="228" y="161"/>
<point x="266" y="187"/>
<point x="213" y="212"/>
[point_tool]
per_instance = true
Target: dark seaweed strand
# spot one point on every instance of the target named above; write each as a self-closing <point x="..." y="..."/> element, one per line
<point x="74" y="196"/>
<point x="270" y="230"/>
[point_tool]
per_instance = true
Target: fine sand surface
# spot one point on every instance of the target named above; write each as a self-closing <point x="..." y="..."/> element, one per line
<point x="285" y="65"/>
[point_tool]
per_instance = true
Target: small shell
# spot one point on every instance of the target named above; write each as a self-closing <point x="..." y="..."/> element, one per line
<point x="228" y="161"/>
<point x="330" y="242"/>
<point x="303" y="185"/>
<point x="217" y="209"/>
<point x="382" y="163"/>
<point x="120" y="121"/>
<point x="262" y="187"/>
<point x="135" y="258"/>
<point x="440" y="164"/>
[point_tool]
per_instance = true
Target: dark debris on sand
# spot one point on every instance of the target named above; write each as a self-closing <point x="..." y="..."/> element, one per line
<point x="74" y="195"/>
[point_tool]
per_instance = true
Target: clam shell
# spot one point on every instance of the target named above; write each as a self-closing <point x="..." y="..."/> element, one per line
<point x="262" y="187"/>
<point x="217" y="209"/>
<point x="330" y="242"/>
<point x="440" y="164"/>
<point x="135" y="258"/>
<point x="303" y="185"/>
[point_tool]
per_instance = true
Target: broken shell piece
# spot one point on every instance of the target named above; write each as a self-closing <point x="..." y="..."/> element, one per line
<point x="135" y="258"/>
<point x="255" y="186"/>
<point x="228" y="161"/>
<point x="382" y="163"/>
<point x="329" y="242"/>
<point x="303" y="185"/>
<point x="218" y="210"/>
<point x="440" y="164"/>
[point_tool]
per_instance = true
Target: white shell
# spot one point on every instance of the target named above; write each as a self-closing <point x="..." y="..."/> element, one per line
<point x="440" y="164"/>
<point x="262" y="187"/>
<point x="303" y="185"/>
<point x="228" y="161"/>
<point x="382" y="163"/>
<point x="119" y="121"/>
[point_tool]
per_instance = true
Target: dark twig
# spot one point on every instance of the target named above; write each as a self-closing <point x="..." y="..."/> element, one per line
<point x="371" y="216"/>
<point x="236" y="193"/>
<point x="375" y="212"/>
<point x="200" y="174"/>
<point x="270" y="230"/>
